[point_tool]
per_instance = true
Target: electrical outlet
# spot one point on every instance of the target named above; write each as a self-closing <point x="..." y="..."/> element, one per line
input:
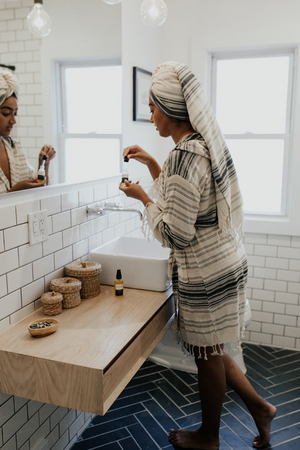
<point x="38" y="226"/>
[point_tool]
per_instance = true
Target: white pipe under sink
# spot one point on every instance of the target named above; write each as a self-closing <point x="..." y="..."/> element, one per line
<point x="168" y="353"/>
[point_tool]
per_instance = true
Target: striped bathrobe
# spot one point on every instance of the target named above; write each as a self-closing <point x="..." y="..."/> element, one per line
<point x="212" y="268"/>
<point x="20" y="169"/>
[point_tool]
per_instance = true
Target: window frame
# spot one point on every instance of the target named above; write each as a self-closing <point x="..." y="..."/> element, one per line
<point x="60" y="67"/>
<point x="291" y="52"/>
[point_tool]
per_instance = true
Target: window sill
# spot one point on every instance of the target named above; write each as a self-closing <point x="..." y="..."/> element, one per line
<point x="271" y="225"/>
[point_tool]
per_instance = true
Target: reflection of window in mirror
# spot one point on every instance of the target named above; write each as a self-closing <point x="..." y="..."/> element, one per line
<point x="89" y="125"/>
<point x="252" y="95"/>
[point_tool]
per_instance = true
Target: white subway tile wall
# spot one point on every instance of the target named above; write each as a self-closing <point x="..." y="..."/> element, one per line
<point x="274" y="289"/>
<point x="25" y="274"/>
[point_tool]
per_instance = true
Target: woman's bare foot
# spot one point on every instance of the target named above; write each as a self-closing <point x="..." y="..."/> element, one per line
<point x="192" y="440"/>
<point x="263" y="422"/>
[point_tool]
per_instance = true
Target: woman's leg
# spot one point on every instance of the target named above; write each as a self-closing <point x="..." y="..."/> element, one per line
<point x="213" y="375"/>
<point x="212" y="386"/>
<point x="262" y="412"/>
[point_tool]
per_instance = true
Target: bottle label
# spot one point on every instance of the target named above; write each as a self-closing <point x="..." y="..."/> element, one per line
<point x="119" y="289"/>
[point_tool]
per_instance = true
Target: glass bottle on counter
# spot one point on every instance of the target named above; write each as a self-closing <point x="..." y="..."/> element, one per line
<point x="119" y="284"/>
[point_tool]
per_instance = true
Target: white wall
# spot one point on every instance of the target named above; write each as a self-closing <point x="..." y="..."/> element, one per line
<point x="142" y="47"/>
<point x="193" y="29"/>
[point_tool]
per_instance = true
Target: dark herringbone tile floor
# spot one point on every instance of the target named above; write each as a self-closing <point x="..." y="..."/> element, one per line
<point x="158" y="399"/>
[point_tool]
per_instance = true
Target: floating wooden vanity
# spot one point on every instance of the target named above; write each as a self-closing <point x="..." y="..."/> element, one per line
<point x="97" y="349"/>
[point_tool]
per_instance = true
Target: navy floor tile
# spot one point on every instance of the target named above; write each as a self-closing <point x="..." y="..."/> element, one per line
<point x="285" y="434"/>
<point x="159" y="398"/>
<point x="177" y="382"/>
<point x="172" y="392"/>
<point x="129" y="391"/>
<point x="160" y="415"/>
<point x="158" y="434"/>
<point x="289" y="407"/>
<point x="127" y="401"/>
<point x="259" y="359"/>
<point x="290" y="445"/>
<point x="142" y="438"/>
<point x="113" y="446"/>
<point x="109" y="426"/>
<point x="118" y="414"/>
<point x="97" y="441"/>
<point x="167" y="404"/>
<point x="188" y="378"/>
<point x="128" y="444"/>
<point x="284" y="387"/>
<point x="192" y="421"/>
<point x="252" y="375"/>
<point x="233" y="440"/>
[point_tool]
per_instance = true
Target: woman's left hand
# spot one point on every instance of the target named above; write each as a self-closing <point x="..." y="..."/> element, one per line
<point x="134" y="190"/>
<point x="47" y="151"/>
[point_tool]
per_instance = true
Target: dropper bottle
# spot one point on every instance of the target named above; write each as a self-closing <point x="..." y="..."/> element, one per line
<point x="119" y="284"/>
<point x="125" y="175"/>
<point x="41" y="171"/>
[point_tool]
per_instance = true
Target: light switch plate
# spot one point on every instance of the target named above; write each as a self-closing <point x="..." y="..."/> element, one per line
<point x="38" y="226"/>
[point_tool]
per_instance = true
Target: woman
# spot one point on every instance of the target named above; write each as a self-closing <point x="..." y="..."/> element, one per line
<point x="198" y="214"/>
<point x="15" y="172"/>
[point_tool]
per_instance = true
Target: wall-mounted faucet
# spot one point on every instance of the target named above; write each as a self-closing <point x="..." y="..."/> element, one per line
<point x="100" y="208"/>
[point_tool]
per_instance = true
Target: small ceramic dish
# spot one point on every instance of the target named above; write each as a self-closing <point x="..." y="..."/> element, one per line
<point x="41" y="332"/>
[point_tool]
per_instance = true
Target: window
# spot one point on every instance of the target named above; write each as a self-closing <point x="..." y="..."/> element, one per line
<point x="252" y="98"/>
<point x="89" y="119"/>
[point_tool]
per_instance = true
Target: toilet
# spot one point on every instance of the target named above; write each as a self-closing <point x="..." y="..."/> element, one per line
<point x="169" y="354"/>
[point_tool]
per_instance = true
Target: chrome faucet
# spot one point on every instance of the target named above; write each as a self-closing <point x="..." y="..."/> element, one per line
<point x="100" y="208"/>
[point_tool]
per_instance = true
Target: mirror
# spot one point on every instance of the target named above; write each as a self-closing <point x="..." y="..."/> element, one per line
<point x="81" y="31"/>
<point x="92" y="29"/>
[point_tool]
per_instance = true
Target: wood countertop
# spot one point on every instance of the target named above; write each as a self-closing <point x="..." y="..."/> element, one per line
<point x="97" y="349"/>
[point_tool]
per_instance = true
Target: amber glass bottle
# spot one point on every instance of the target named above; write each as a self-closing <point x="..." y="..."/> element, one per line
<point x="119" y="284"/>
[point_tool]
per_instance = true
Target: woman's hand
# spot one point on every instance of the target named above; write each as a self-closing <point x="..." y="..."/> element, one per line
<point x="47" y="151"/>
<point x="137" y="153"/>
<point x="134" y="190"/>
<point x="26" y="184"/>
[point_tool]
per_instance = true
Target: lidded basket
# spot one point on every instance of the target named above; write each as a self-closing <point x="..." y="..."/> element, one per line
<point x="88" y="272"/>
<point x="52" y="303"/>
<point x="70" y="290"/>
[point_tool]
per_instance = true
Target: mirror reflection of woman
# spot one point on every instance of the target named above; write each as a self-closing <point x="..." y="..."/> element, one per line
<point x="16" y="174"/>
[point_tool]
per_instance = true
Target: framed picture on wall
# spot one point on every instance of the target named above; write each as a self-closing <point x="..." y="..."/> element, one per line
<point x="141" y="86"/>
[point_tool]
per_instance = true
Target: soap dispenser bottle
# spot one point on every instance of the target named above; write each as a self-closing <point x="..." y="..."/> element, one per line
<point x="125" y="175"/>
<point x="119" y="284"/>
<point x="41" y="171"/>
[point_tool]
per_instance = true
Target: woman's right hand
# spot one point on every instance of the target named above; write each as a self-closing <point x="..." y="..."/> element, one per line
<point x="26" y="184"/>
<point x="136" y="152"/>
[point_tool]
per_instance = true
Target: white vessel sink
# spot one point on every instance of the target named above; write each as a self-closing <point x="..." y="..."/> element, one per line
<point x="144" y="264"/>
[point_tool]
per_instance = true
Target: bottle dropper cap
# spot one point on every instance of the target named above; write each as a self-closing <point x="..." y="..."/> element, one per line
<point x="119" y="274"/>
<point x="126" y="159"/>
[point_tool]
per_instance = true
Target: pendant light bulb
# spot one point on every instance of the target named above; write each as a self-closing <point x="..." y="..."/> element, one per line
<point x="153" y="12"/>
<point x="38" y="21"/>
<point x="112" y="2"/>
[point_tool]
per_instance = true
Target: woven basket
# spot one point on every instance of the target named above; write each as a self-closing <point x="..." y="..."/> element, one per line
<point x="88" y="272"/>
<point x="52" y="303"/>
<point x="69" y="288"/>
